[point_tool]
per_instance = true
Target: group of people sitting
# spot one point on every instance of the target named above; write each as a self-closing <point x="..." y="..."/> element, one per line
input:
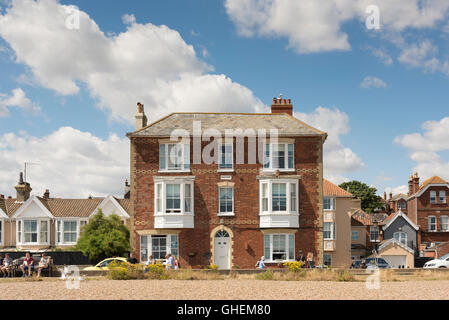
<point x="27" y="267"/>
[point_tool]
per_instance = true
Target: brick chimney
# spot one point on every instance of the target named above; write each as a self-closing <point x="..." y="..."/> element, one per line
<point x="2" y="196"/>
<point x="141" y="118"/>
<point x="47" y="194"/>
<point x="415" y="182"/>
<point x="23" y="190"/>
<point x="281" y="105"/>
<point x="410" y="185"/>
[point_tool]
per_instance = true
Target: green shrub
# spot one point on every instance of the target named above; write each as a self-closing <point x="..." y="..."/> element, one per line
<point x="294" y="266"/>
<point x="124" y="271"/>
<point x="267" y="275"/>
<point x="156" y="272"/>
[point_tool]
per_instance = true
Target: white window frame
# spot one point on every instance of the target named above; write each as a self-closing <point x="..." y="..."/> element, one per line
<point x="332" y="203"/>
<point x="333" y="231"/>
<point x="433" y="197"/>
<point x="162" y="197"/>
<point x="220" y="154"/>
<point x="225" y="214"/>
<point x="429" y="229"/>
<point x="444" y="225"/>
<point x="402" y="205"/>
<point x="354" y="232"/>
<point x="286" y="162"/>
<point x="371" y="231"/>
<point x="402" y="236"/>
<point x="288" y="250"/>
<point x="149" y="245"/>
<point x="289" y="184"/>
<point x="59" y="228"/>
<point x="442" y="195"/>
<point x="185" y="162"/>
<point x="20" y="223"/>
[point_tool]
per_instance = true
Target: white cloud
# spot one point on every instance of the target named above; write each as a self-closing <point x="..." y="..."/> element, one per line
<point x="384" y="57"/>
<point x="128" y="19"/>
<point x="17" y="99"/>
<point x="425" y="148"/>
<point x="396" y="190"/>
<point x="338" y="159"/>
<point x="315" y="26"/>
<point x="372" y="82"/>
<point x="71" y="163"/>
<point x="146" y="63"/>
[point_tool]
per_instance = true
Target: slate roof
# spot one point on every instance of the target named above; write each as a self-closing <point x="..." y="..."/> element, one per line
<point x="286" y="124"/>
<point x="64" y="208"/>
<point x="332" y="190"/>
<point x="368" y="219"/>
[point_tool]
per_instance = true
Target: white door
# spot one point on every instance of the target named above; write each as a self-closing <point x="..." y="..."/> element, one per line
<point x="222" y="248"/>
<point x="396" y="262"/>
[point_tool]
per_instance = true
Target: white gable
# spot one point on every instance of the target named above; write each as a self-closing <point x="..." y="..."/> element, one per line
<point x="3" y="215"/>
<point x="110" y="206"/>
<point x="33" y="208"/>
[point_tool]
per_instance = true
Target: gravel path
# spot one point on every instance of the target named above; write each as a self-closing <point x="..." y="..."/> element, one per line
<point x="223" y="289"/>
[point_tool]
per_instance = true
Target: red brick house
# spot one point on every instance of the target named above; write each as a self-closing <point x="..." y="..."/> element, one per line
<point x="234" y="209"/>
<point x="427" y="206"/>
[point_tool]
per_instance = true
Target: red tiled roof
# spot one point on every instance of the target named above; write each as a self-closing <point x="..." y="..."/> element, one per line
<point x="368" y="219"/>
<point x="432" y="180"/>
<point x="332" y="190"/>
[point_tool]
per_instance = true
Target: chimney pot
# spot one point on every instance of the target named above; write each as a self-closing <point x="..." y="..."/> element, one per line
<point x="9" y="197"/>
<point x="2" y="196"/>
<point x="47" y="194"/>
<point x="281" y="106"/>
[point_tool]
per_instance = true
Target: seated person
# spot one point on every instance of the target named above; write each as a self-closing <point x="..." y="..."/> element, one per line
<point x="6" y="266"/>
<point x="43" y="264"/>
<point x="132" y="259"/>
<point x="27" y="265"/>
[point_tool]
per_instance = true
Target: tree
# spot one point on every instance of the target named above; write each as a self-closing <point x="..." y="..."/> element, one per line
<point x="104" y="237"/>
<point x="370" y="200"/>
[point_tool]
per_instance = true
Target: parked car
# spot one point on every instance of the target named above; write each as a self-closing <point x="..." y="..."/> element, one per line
<point x="103" y="265"/>
<point x="440" y="263"/>
<point x="376" y="262"/>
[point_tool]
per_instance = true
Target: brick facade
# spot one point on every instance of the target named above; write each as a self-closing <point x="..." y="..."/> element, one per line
<point x="195" y="245"/>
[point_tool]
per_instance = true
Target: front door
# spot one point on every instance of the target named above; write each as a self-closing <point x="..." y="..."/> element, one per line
<point x="222" y="248"/>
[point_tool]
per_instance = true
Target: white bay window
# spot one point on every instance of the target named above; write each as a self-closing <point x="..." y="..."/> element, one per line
<point x="158" y="246"/>
<point x="33" y="232"/>
<point x="173" y="202"/>
<point x="279" y="205"/>
<point x="279" y="247"/>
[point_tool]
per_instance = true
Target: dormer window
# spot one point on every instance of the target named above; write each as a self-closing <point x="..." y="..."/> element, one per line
<point x="174" y="157"/>
<point x="442" y="198"/>
<point x="279" y="156"/>
<point x="433" y="197"/>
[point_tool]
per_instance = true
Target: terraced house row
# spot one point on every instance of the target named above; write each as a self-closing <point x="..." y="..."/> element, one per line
<point x="36" y="223"/>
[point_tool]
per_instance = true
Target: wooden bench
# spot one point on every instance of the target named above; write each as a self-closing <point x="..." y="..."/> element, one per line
<point x="15" y="269"/>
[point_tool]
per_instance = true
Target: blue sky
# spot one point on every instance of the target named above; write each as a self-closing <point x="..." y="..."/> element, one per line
<point x="242" y="53"/>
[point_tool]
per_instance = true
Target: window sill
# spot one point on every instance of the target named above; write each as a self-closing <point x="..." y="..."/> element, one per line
<point x="280" y="170"/>
<point x="226" y="214"/>
<point x="174" y="171"/>
<point x="279" y="214"/>
<point x="173" y="214"/>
